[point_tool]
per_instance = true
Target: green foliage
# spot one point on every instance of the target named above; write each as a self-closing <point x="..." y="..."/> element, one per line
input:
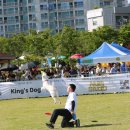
<point x="96" y="7"/>
<point x="96" y="112"/>
<point x="88" y="42"/>
<point x="124" y="34"/>
<point x="3" y="44"/>
<point x="67" y="42"/>
<point x="106" y="34"/>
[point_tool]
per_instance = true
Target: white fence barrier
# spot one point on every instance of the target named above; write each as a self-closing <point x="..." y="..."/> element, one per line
<point x="86" y="85"/>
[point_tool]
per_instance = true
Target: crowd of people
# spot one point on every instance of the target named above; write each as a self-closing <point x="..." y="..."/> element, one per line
<point x="64" y="71"/>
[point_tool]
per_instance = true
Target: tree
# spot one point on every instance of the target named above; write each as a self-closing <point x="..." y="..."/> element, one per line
<point x="124" y="34"/>
<point x="3" y="44"/>
<point x="16" y="44"/>
<point x="69" y="41"/>
<point x="88" y="42"/>
<point x="106" y="34"/>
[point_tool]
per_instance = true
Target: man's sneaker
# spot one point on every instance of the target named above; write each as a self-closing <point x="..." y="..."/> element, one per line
<point x="77" y="122"/>
<point x="49" y="125"/>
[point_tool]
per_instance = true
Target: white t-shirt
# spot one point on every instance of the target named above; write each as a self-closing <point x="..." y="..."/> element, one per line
<point x="71" y="97"/>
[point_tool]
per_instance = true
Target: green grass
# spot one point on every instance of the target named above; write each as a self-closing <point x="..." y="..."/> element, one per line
<point x="96" y="112"/>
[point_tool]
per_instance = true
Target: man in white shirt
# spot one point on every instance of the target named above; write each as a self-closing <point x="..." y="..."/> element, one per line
<point x="68" y="112"/>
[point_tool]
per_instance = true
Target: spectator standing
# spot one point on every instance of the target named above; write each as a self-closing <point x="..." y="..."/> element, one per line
<point x="113" y="70"/>
<point x="123" y="67"/>
<point x="99" y="69"/>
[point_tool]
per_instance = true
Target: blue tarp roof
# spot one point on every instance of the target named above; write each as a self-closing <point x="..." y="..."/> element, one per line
<point x="105" y="51"/>
<point x="121" y="48"/>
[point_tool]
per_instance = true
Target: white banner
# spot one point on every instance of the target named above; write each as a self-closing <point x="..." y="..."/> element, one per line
<point x="86" y="85"/>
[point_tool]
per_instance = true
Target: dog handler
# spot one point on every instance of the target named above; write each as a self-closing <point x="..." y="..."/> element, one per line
<point x="67" y="112"/>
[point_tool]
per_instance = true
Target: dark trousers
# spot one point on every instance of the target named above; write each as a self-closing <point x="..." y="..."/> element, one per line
<point x="66" y="117"/>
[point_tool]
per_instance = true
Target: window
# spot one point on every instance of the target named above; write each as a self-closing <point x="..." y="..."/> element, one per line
<point x="43" y="7"/>
<point x="1" y="20"/>
<point x="53" y="25"/>
<point x="52" y="6"/>
<point x="17" y="28"/>
<point x="71" y="4"/>
<point x="65" y="5"/>
<point x="23" y="18"/>
<point x="32" y="25"/>
<point x="15" y="10"/>
<point x="11" y="11"/>
<point x="0" y="2"/>
<point x="53" y="16"/>
<point x="67" y="14"/>
<point x="11" y="28"/>
<point x="80" y="29"/>
<point x="79" y="12"/>
<point x="21" y="9"/>
<point x="4" y="1"/>
<point x="120" y="20"/>
<point x="80" y="21"/>
<point x="5" y="19"/>
<point x="44" y="16"/>
<point x="44" y="24"/>
<point x="32" y="17"/>
<point x="30" y="1"/>
<point x="41" y="1"/>
<point x="31" y="8"/>
<point x="24" y="27"/>
<point x="20" y="1"/>
<point x="1" y="28"/>
<point x="106" y="3"/>
<point x="69" y="22"/>
<point x="23" y="2"/>
<point x="0" y="11"/>
<point x="78" y="4"/>
<point x="17" y="18"/>
<point x="94" y="22"/>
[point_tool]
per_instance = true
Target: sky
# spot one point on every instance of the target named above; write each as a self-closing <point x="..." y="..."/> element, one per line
<point x="129" y="1"/>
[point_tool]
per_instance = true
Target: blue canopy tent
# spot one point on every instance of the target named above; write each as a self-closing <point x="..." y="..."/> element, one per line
<point x="121" y="48"/>
<point x="106" y="53"/>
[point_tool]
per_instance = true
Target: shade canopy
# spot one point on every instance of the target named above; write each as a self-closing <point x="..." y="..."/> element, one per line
<point x="106" y="53"/>
<point x="76" y="56"/>
<point x="32" y="64"/>
<point x="58" y="57"/>
<point x="121" y="48"/>
<point x="8" y="67"/>
<point x="5" y="57"/>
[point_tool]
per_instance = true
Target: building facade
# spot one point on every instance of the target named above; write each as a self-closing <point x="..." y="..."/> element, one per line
<point x="18" y="16"/>
<point x="67" y="12"/>
<point x="21" y="15"/>
<point x="92" y="4"/>
<point x="114" y="16"/>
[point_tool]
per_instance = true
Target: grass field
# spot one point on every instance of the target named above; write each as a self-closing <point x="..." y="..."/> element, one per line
<point x="96" y="112"/>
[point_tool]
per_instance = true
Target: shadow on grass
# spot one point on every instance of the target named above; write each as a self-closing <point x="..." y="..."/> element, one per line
<point x="95" y="125"/>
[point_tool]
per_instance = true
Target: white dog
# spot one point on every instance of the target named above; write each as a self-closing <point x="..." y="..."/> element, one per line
<point x="50" y="88"/>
